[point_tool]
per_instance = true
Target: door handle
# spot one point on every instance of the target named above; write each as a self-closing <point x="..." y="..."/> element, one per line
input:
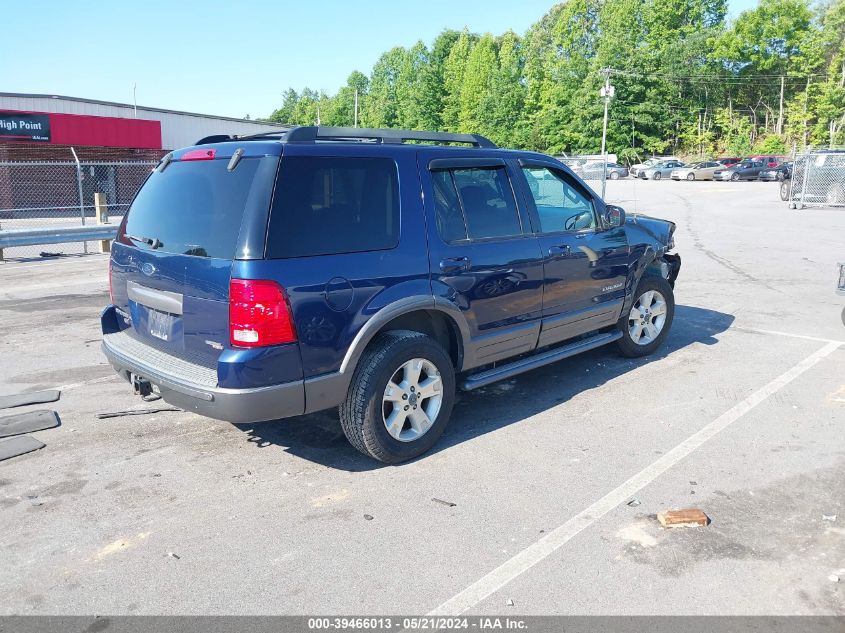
<point x="455" y="264"/>
<point x="559" y="251"/>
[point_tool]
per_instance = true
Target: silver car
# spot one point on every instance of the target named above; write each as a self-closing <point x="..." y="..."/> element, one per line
<point x="663" y="169"/>
<point x="697" y="171"/>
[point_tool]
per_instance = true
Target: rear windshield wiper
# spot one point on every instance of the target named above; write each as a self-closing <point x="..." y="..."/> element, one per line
<point x="153" y="243"/>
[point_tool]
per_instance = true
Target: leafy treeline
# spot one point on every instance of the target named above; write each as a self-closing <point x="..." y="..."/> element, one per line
<point x="686" y="80"/>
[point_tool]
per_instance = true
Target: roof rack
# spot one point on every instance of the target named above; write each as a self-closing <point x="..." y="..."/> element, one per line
<point x="310" y="134"/>
<point x="313" y="133"/>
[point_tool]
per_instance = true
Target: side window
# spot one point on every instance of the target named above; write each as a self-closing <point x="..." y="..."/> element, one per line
<point x="326" y="206"/>
<point x="561" y="205"/>
<point x="474" y="203"/>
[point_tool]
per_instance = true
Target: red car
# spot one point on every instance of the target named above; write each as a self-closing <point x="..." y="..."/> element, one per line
<point x="728" y="162"/>
<point x="769" y="161"/>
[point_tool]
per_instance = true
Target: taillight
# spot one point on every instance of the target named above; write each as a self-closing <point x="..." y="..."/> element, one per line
<point x="259" y="314"/>
<point x="199" y="154"/>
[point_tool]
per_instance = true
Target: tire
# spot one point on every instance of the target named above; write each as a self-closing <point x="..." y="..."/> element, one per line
<point x="781" y="176"/>
<point x="364" y="413"/>
<point x="633" y="347"/>
<point x="690" y="177"/>
<point x="784" y="190"/>
<point x="657" y="176"/>
<point x="734" y="177"/>
<point x="614" y="175"/>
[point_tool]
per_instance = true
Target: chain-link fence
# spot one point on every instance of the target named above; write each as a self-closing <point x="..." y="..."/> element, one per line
<point x="817" y="179"/>
<point x="49" y="194"/>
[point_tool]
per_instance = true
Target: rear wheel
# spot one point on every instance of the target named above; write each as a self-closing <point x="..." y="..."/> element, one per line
<point x="400" y="398"/>
<point x="690" y="176"/>
<point x="657" y="175"/>
<point x="647" y="324"/>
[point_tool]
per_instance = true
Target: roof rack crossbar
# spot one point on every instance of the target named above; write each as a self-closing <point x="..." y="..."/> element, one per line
<point x="310" y="134"/>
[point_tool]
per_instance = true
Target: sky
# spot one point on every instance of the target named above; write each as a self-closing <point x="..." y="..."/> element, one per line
<point x="228" y="58"/>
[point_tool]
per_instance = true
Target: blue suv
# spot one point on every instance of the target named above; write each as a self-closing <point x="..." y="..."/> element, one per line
<point x="271" y="276"/>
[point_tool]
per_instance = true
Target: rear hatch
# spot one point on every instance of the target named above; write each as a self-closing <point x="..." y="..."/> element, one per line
<point x="172" y="259"/>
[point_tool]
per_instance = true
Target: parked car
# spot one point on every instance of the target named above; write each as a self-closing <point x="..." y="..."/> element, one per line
<point x="745" y="170"/>
<point x="636" y="170"/>
<point x="780" y="173"/>
<point x="594" y="171"/>
<point x="729" y="161"/>
<point x="280" y="274"/>
<point x="663" y="169"/>
<point x="768" y="161"/>
<point x="697" y="171"/>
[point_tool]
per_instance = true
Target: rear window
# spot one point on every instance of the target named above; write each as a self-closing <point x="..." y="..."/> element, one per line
<point x="327" y="206"/>
<point x="192" y="208"/>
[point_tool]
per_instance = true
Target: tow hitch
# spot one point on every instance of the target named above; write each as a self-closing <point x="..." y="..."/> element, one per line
<point x="141" y="386"/>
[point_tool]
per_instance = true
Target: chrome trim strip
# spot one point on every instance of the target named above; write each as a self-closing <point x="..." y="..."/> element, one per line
<point x="161" y="300"/>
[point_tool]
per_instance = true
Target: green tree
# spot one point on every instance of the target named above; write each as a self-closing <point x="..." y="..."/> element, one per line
<point x="501" y="107"/>
<point x="454" y="70"/>
<point x="382" y="107"/>
<point x="480" y="66"/>
<point x="285" y="114"/>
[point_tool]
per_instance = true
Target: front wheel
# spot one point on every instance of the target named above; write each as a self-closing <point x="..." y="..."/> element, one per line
<point x="647" y="324"/>
<point x="614" y="175"/>
<point x="784" y="190"/>
<point x="690" y="176"/>
<point x="400" y="398"/>
<point x="657" y="175"/>
<point x="734" y="177"/>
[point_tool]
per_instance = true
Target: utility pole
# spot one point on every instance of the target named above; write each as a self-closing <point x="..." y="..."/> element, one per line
<point x="356" y="107"/>
<point x="134" y="100"/>
<point x="606" y="93"/>
<point x="780" y="112"/>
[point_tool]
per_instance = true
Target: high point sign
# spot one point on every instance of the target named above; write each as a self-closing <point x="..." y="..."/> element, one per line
<point x="20" y="126"/>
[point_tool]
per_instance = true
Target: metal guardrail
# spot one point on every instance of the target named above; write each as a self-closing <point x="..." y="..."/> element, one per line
<point x="56" y="235"/>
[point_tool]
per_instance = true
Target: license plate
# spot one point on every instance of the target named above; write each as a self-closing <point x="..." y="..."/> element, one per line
<point x="161" y="324"/>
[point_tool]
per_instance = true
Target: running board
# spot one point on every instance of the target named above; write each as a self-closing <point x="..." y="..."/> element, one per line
<point x="484" y="378"/>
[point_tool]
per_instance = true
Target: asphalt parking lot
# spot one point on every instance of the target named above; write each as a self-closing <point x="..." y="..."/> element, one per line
<point x="742" y="415"/>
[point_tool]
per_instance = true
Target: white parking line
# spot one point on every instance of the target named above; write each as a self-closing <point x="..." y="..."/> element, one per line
<point x="558" y="537"/>
<point x="789" y="334"/>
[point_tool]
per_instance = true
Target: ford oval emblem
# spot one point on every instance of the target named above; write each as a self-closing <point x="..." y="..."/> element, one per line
<point x="148" y="269"/>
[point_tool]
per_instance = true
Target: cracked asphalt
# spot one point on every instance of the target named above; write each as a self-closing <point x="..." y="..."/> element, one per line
<point x="741" y="414"/>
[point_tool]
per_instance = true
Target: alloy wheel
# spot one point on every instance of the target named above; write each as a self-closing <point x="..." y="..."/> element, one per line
<point x="412" y="399"/>
<point x="647" y="317"/>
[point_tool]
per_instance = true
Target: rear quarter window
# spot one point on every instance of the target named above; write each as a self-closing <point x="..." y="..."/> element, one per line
<point x="333" y="205"/>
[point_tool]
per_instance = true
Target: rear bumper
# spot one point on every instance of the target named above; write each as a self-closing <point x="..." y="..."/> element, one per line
<point x="178" y="384"/>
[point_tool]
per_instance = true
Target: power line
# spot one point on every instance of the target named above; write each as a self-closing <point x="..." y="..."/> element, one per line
<point x="705" y="78"/>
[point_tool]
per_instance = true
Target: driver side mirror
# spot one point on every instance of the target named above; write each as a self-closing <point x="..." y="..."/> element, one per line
<point x="614" y="216"/>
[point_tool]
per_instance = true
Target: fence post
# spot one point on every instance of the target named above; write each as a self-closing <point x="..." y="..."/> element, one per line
<point x="804" y="182"/>
<point x="101" y="210"/>
<point x="81" y="198"/>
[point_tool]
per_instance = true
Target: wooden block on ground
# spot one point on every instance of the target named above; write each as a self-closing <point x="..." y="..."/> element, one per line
<point x="691" y="517"/>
